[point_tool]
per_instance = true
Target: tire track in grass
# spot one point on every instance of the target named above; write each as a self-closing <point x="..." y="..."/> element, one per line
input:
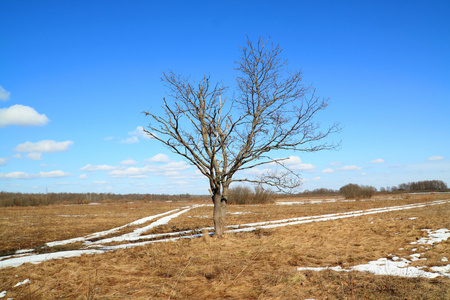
<point x="269" y="224"/>
<point x="27" y="257"/>
<point x="167" y="216"/>
<point x="107" y="232"/>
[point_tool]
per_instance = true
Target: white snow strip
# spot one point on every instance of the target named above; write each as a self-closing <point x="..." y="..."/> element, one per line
<point x="23" y="282"/>
<point x="267" y="224"/>
<point x="2" y="294"/>
<point x="106" y="232"/>
<point x="137" y="232"/>
<point x="381" y="266"/>
<point x="23" y="251"/>
<point x="302" y="220"/>
<point x="38" y="258"/>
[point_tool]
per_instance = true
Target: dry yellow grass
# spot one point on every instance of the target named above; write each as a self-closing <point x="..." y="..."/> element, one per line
<point x="257" y="265"/>
<point x="29" y="227"/>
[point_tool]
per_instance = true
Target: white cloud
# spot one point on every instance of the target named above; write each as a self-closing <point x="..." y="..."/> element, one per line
<point x="90" y="167"/>
<point x="433" y="158"/>
<point x="23" y="175"/>
<point x="54" y="174"/>
<point x="139" y="172"/>
<point x="34" y="156"/>
<point x="83" y="176"/>
<point x="21" y="115"/>
<point x="350" y="168"/>
<point x="295" y="163"/>
<point x="138" y="176"/>
<point x="292" y="160"/>
<point x="131" y="171"/>
<point x="18" y="155"/>
<point x="139" y="131"/>
<point x="17" y="175"/>
<point x="128" y="162"/>
<point x="130" y="140"/>
<point x="4" y="94"/>
<point x="316" y="178"/>
<point x="48" y="146"/>
<point x="135" y="135"/>
<point x="328" y="171"/>
<point x="159" y="158"/>
<point x="335" y="164"/>
<point x="3" y="161"/>
<point x="377" y="161"/>
<point x="176" y="166"/>
<point x="304" y="167"/>
<point x="174" y="174"/>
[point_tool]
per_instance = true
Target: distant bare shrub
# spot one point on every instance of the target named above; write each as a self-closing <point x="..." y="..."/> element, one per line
<point x="355" y="191"/>
<point x="245" y="195"/>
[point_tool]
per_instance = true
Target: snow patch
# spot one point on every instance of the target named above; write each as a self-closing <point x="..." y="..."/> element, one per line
<point x="399" y="266"/>
<point x="38" y="258"/>
<point x="23" y="282"/>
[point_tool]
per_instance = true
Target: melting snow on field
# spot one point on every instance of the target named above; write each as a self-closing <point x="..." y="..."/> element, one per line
<point x="400" y="266"/>
<point x="396" y="266"/>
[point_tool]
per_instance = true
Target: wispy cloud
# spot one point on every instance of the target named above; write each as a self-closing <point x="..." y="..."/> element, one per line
<point x="23" y="175"/>
<point x="135" y="135"/>
<point x="295" y="163"/>
<point x="22" y="116"/>
<point x="131" y="172"/>
<point x="3" y="161"/>
<point x="351" y="168"/>
<point x="128" y="162"/>
<point x="140" y="172"/>
<point x="4" y="94"/>
<point x="159" y="158"/>
<point x="377" y="161"/>
<point x="45" y="146"/>
<point x="34" y="156"/>
<point x="335" y="164"/>
<point x="130" y="140"/>
<point x="434" y="158"/>
<point x="91" y="168"/>
<point x="328" y="171"/>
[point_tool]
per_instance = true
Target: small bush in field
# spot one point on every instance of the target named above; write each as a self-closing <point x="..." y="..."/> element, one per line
<point x="355" y="191"/>
<point x="245" y="195"/>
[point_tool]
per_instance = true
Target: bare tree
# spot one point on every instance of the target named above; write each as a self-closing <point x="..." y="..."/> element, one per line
<point x="271" y="110"/>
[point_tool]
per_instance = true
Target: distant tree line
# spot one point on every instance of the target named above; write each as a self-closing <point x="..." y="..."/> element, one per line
<point x="38" y="199"/>
<point x="419" y="186"/>
<point x="356" y="191"/>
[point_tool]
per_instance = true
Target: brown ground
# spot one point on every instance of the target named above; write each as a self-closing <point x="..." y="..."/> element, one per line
<point x="257" y="265"/>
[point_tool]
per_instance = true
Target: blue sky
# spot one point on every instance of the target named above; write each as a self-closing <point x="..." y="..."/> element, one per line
<point x="76" y="75"/>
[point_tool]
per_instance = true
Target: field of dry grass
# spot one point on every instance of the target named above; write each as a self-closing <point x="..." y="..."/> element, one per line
<point x="254" y="265"/>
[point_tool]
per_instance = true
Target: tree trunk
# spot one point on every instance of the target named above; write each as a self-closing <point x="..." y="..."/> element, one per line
<point x="220" y="209"/>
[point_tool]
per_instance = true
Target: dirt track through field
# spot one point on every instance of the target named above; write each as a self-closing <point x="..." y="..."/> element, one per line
<point x="123" y="241"/>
